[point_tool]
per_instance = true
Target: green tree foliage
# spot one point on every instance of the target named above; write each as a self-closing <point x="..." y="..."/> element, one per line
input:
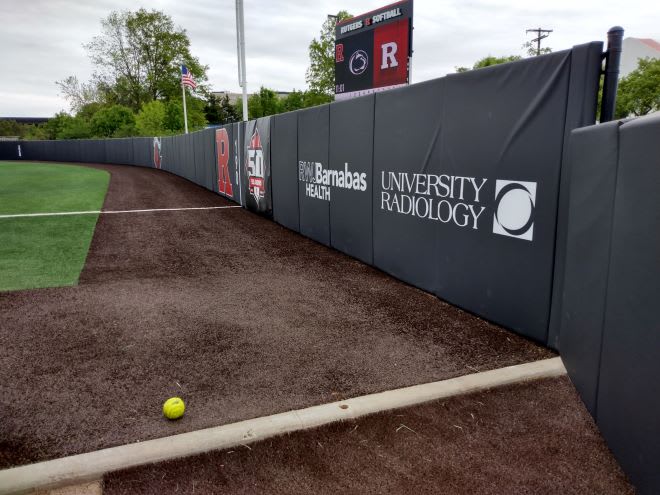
<point x="150" y="120"/>
<point x="78" y="94"/>
<point x="531" y="49"/>
<point x="11" y="128"/>
<point x="34" y="132"/>
<point x="65" y="126"/>
<point x="74" y="128"/>
<point x="488" y="61"/>
<point x="88" y="110"/>
<point x="265" y="102"/>
<point x="23" y="131"/>
<point x="639" y="91"/>
<point x="293" y="101"/>
<point x="137" y="59"/>
<point x="219" y="111"/>
<point x="321" y="72"/>
<point x="113" y="121"/>
<point x="54" y="125"/>
<point x="313" y="98"/>
<point x="173" y="122"/>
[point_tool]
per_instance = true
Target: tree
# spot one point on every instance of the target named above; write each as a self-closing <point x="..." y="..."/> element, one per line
<point x="36" y="132"/>
<point x="137" y="59"/>
<point x="88" y="110"/>
<point x="313" y="98"/>
<point x="79" y="94"/>
<point x="23" y="131"/>
<point x="219" y="111"/>
<point x="74" y="128"/>
<point x="293" y="101"/>
<point x="11" y="128"/>
<point x="532" y="47"/>
<point x="265" y="102"/>
<point x="639" y="91"/>
<point x="113" y="121"/>
<point x="173" y="122"/>
<point x="65" y="126"/>
<point x="54" y="125"/>
<point x="229" y="112"/>
<point x="321" y="72"/>
<point x="150" y="121"/>
<point x="488" y="61"/>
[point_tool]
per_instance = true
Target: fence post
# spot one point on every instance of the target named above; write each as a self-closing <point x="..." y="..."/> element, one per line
<point x="611" y="81"/>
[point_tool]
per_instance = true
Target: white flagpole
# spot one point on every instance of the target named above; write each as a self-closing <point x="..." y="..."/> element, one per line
<point x="240" y="45"/>
<point x="185" y="112"/>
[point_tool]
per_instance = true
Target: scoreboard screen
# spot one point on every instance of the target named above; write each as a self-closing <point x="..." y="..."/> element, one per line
<point x="373" y="51"/>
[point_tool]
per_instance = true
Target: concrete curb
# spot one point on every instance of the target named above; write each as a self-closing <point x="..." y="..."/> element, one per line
<point x="93" y="465"/>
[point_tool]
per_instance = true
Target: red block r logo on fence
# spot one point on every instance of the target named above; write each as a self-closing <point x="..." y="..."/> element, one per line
<point x="222" y="146"/>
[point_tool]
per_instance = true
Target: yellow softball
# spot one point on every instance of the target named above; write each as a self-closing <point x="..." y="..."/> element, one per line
<point x="174" y="408"/>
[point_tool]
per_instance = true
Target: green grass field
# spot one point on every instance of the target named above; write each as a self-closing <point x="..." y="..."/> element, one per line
<point x="46" y="251"/>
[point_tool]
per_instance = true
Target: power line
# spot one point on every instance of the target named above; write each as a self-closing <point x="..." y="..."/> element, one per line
<point x="540" y="34"/>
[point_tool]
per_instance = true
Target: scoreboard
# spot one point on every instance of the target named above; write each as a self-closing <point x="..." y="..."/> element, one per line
<point x="373" y="51"/>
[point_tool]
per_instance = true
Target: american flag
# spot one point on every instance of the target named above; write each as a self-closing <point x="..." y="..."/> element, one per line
<point x="187" y="78"/>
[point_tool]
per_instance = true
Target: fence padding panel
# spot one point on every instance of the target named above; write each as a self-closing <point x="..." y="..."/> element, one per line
<point x="205" y="159"/>
<point x="351" y="155"/>
<point x="313" y="143"/>
<point x="257" y="182"/>
<point x="503" y="130"/>
<point x="284" y="164"/>
<point x="226" y="164"/>
<point x="406" y="142"/>
<point x="629" y="391"/>
<point x="210" y="159"/>
<point x="593" y="162"/>
<point x="143" y="152"/>
<point x="9" y="150"/>
<point x="239" y="144"/>
<point x="580" y="111"/>
<point x="167" y="158"/>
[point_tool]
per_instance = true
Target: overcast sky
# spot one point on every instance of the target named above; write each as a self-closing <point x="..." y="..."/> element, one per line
<point x="41" y="40"/>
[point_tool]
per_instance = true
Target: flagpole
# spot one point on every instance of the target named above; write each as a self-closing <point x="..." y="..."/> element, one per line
<point x="185" y="112"/>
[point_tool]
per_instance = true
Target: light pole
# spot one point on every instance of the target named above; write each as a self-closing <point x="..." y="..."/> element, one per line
<point x="240" y="47"/>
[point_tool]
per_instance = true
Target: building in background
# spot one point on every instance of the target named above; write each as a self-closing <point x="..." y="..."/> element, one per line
<point x="634" y="49"/>
<point x="234" y="97"/>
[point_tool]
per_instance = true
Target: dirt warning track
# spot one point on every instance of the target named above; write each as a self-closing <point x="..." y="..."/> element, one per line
<point x="525" y="438"/>
<point x="234" y="313"/>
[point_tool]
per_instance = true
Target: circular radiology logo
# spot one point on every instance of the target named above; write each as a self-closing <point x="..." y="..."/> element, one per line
<point x="515" y="204"/>
<point x="358" y="62"/>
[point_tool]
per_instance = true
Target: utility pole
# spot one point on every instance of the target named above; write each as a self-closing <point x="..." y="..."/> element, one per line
<point x="540" y="34"/>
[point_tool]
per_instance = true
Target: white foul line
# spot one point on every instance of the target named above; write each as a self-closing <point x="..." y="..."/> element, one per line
<point x="103" y="212"/>
<point x="93" y="465"/>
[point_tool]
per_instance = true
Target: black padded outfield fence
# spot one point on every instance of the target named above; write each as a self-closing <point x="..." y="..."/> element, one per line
<point x="452" y="185"/>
